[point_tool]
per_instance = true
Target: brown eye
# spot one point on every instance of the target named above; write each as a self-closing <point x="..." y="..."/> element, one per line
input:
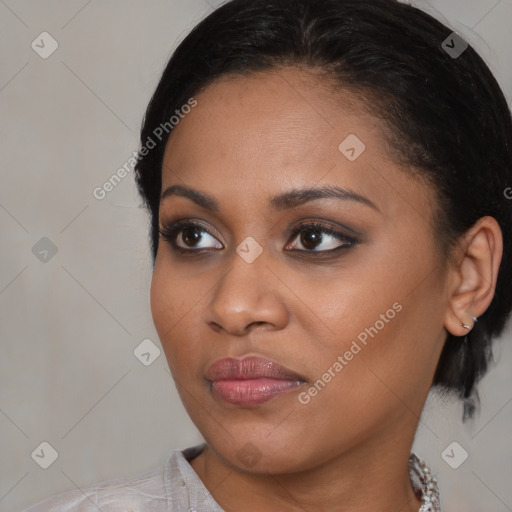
<point x="190" y="234"/>
<point x="313" y="236"/>
<point x="310" y="238"/>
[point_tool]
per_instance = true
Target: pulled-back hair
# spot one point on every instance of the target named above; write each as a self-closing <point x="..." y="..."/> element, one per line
<point x="447" y="119"/>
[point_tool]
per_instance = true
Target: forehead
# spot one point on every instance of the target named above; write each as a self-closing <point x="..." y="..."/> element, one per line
<point x="282" y="113"/>
<point x="262" y="134"/>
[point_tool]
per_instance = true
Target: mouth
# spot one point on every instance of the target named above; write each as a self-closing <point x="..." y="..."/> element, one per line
<point x="250" y="381"/>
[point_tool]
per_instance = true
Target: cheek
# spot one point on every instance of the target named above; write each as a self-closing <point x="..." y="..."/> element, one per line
<point x="359" y="385"/>
<point x="163" y="304"/>
<point x="175" y="306"/>
<point x="378" y="369"/>
<point x="379" y="348"/>
<point x="168" y="308"/>
<point x="172" y="297"/>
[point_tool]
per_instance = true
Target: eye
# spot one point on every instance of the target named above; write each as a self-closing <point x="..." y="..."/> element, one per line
<point x="312" y="236"/>
<point x="190" y="234"/>
<point x="186" y="236"/>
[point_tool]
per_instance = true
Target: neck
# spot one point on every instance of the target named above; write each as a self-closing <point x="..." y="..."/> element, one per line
<point x="371" y="476"/>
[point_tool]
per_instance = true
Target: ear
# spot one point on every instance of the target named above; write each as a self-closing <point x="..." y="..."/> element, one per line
<point x="474" y="275"/>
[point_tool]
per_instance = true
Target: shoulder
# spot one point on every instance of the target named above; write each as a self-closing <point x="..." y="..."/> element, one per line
<point x="150" y="491"/>
<point x="119" y="494"/>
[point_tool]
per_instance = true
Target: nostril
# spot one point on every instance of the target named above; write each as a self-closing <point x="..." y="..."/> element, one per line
<point x="256" y="323"/>
<point x="215" y="326"/>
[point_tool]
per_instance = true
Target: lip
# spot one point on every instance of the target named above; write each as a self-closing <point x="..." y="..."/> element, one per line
<point x="250" y="381"/>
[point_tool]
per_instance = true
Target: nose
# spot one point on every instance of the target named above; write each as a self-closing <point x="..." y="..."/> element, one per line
<point x="248" y="296"/>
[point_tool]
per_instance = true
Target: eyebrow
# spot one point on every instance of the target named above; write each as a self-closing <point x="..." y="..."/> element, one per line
<point x="286" y="200"/>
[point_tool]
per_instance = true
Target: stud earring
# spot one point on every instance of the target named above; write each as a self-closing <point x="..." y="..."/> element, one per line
<point x="465" y="340"/>
<point x="475" y="319"/>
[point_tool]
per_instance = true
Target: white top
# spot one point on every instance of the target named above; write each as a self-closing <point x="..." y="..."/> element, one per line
<point x="175" y="487"/>
<point x="171" y="488"/>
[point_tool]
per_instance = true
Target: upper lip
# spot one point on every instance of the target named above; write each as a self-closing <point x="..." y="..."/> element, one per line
<point x="251" y="367"/>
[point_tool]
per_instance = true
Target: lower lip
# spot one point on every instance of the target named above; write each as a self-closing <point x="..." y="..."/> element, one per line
<point x="252" y="392"/>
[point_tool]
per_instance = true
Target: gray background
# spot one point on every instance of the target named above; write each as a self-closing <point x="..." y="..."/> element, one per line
<point x="69" y="325"/>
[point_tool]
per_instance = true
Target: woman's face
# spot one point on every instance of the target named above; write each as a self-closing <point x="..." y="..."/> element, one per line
<point x="355" y="318"/>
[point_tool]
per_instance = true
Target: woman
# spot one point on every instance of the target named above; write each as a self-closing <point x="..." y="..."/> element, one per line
<point x="331" y="237"/>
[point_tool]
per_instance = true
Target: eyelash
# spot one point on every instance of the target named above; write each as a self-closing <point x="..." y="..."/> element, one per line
<point x="169" y="232"/>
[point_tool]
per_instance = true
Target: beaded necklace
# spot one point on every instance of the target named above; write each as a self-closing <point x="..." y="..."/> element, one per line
<point x="424" y="484"/>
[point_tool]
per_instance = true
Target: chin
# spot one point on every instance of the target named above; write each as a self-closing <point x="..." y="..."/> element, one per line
<point x="264" y="454"/>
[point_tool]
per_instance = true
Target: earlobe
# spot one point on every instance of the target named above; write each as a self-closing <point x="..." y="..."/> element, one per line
<point x="474" y="276"/>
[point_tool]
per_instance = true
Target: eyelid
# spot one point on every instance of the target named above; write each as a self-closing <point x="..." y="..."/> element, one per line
<point x="347" y="240"/>
<point x="182" y="222"/>
<point x="169" y="229"/>
<point x="335" y="227"/>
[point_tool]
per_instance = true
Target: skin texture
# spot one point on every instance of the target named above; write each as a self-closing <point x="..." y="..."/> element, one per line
<point x="248" y="139"/>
